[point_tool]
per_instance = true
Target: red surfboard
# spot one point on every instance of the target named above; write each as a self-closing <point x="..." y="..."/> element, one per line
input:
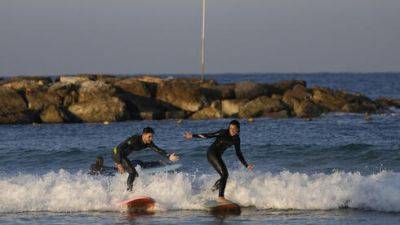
<point x="139" y="204"/>
<point x="226" y="207"/>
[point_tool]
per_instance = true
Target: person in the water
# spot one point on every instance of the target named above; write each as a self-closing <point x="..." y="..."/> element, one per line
<point x="133" y="144"/>
<point x="98" y="168"/>
<point x="225" y="138"/>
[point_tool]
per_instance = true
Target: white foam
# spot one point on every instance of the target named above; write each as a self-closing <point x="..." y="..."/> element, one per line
<point x="65" y="192"/>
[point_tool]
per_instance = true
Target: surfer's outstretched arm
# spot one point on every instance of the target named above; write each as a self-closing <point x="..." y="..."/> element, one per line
<point x="162" y="152"/>
<point x="189" y="135"/>
<point x="239" y="151"/>
<point x="158" y="150"/>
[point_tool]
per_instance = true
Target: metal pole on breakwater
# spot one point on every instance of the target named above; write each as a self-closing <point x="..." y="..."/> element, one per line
<point x="203" y="28"/>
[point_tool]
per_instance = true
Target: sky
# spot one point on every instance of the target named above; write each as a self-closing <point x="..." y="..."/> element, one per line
<point x="53" y="37"/>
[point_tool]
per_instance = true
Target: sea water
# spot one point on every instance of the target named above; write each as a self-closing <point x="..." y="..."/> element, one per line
<point x="337" y="169"/>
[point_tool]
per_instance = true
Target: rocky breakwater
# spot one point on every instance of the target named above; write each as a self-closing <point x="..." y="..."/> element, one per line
<point x="104" y="98"/>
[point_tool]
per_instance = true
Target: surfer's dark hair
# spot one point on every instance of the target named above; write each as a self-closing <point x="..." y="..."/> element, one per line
<point x="99" y="160"/>
<point x="148" y="130"/>
<point x="235" y="123"/>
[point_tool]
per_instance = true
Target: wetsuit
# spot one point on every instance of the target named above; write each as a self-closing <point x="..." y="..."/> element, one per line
<point x="96" y="169"/>
<point x="214" y="154"/>
<point x="132" y="144"/>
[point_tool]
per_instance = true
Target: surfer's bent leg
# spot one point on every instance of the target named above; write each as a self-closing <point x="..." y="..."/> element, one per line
<point x="130" y="169"/>
<point x="219" y="165"/>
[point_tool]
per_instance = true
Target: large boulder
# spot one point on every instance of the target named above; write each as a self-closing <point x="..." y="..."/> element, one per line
<point x="89" y="90"/>
<point x="27" y="83"/>
<point x="67" y="92"/>
<point x="335" y="100"/>
<point x="40" y="99"/>
<point x="134" y="86"/>
<point x="230" y="108"/>
<point x="53" y="114"/>
<point x="99" y="110"/>
<point x="282" y="86"/>
<point x="227" y="91"/>
<point x="98" y="102"/>
<point x="263" y="106"/>
<point x="73" y="79"/>
<point x="251" y="90"/>
<point x="359" y="104"/>
<point x="207" y="113"/>
<point x="307" y="109"/>
<point x="330" y="99"/>
<point x="181" y="94"/>
<point x="13" y="108"/>
<point x="297" y="94"/>
<point x="385" y="103"/>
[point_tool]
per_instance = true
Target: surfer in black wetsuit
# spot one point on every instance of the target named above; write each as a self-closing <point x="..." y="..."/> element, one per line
<point x="225" y="138"/>
<point x="133" y="144"/>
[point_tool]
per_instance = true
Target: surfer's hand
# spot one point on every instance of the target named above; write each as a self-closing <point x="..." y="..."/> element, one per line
<point x="120" y="168"/>
<point x="173" y="157"/>
<point x="188" y="135"/>
<point x="250" y="167"/>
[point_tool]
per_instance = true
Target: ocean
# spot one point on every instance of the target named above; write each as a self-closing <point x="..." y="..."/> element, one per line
<point x="337" y="169"/>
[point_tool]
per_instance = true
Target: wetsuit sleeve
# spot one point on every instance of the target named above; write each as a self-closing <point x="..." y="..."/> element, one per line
<point x="239" y="151"/>
<point x="208" y="135"/>
<point x="158" y="150"/>
<point x="120" y="149"/>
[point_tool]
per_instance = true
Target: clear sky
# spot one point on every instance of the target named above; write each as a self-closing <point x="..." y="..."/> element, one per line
<point x="162" y="36"/>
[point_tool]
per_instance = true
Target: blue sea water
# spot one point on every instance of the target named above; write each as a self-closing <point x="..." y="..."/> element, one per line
<point x="338" y="169"/>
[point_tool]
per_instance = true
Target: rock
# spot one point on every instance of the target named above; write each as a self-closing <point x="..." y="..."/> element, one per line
<point x="95" y="90"/>
<point x="328" y="98"/>
<point x="73" y="79"/>
<point x="175" y="114"/>
<point x="296" y="95"/>
<point x="151" y="79"/>
<point x="207" y="113"/>
<point x="261" y="107"/>
<point x="283" y="86"/>
<point x="251" y="90"/>
<point x="226" y="91"/>
<point x="230" y="108"/>
<point x="38" y="100"/>
<point x="385" y="103"/>
<point x="27" y="83"/>
<point x="68" y="93"/>
<point x="183" y="95"/>
<point x="53" y="115"/>
<point x="361" y="106"/>
<point x="343" y="101"/>
<point x="133" y="86"/>
<point x="307" y="109"/>
<point x="99" y="110"/>
<point x="13" y="108"/>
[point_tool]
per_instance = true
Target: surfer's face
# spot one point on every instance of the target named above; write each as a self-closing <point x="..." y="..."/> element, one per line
<point x="147" y="138"/>
<point x="233" y="130"/>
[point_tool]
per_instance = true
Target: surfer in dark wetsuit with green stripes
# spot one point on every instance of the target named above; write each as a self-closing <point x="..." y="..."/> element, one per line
<point x="225" y="138"/>
<point x="133" y="144"/>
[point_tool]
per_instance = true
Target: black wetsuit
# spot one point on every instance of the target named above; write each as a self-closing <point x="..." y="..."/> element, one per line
<point x="214" y="154"/>
<point x="132" y="144"/>
<point x="96" y="169"/>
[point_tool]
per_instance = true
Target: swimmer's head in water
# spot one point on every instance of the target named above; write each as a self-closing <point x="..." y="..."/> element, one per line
<point x="147" y="135"/>
<point x="234" y="127"/>
<point x="99" y="161"/>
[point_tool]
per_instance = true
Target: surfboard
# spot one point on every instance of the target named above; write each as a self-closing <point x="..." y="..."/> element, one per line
<point x="139" y="204"/>
<point x="226" y="207"/>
